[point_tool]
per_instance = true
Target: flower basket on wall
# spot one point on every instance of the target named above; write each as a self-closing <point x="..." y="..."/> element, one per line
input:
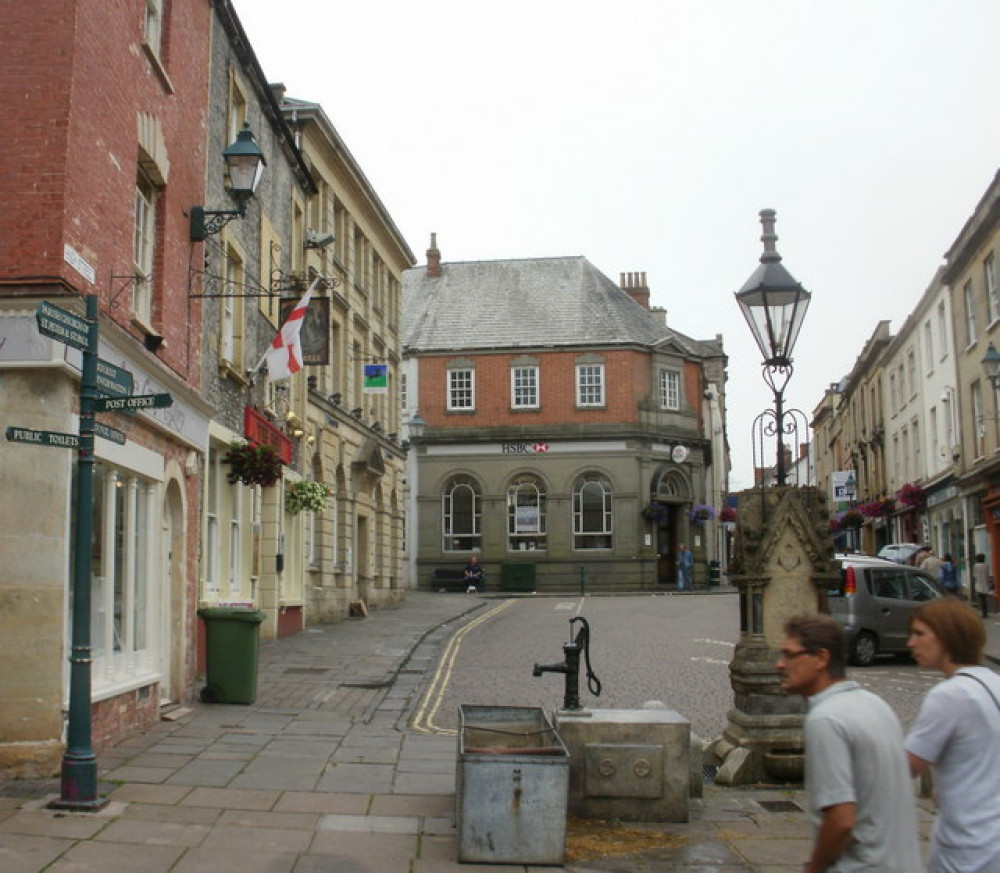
<point x="252" y="465"/>
<point x="306" y="496"/>
<point x="912" y="495"/>
<point x="701" y="513"/>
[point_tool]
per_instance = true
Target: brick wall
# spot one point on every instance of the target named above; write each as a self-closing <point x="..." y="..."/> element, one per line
<point x="125" y="715"/>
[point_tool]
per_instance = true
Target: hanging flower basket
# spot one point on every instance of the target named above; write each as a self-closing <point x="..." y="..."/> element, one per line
<point x="877" y="508"/>
<point x="701" y="513"/>
<point x="654" y="511"/>
<point x="912" y="495"/>
<point x="850" y="519"/>
<point x="306" y="496"/>
<point x="252" y="465"/>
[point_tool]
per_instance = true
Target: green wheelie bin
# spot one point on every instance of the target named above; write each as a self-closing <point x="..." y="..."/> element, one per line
<point x="231" y="645"/>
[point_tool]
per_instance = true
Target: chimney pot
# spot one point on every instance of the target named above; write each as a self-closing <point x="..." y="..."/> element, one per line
<point x="433" y="259"/>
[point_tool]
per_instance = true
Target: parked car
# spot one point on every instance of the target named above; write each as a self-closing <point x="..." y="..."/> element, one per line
<point x="901" y="553"/>
<point x="873" y="601"/>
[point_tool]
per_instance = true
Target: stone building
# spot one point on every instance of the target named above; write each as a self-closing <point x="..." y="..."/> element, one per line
<point x="569" y="432"/>
<point x="353" y="433"/>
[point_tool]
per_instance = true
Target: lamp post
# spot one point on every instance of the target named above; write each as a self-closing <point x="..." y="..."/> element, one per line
<point x="991" y="367"/>
<point x="774" y="305"/>
<point x="244" y="167"/>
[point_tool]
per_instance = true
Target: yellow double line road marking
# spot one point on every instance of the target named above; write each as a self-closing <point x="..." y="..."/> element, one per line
<point x="433" y="697"/>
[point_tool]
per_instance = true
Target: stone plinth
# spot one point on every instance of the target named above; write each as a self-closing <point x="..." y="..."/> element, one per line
<point x="782" y="565"/>
<point x="628" y="764"/>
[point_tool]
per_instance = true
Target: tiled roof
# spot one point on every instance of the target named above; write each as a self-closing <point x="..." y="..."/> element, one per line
<point x="534" y="302"/>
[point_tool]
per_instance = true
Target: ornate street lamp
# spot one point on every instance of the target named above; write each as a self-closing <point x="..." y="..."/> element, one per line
<point x="774" y="305"/>
<point x="244" y="167"/>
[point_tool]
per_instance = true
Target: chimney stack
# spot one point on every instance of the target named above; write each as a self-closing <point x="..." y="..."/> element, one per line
<point x="433" y="259"/>
<point x="634" y="284"/>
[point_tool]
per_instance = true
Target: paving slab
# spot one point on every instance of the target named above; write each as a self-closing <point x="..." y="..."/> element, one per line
<point x="97" y="857"/>
<point x="20" y="853"/>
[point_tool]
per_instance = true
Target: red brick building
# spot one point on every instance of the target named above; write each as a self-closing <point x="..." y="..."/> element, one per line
<point x="104" y="155"/>
<point x="567" y="429"/>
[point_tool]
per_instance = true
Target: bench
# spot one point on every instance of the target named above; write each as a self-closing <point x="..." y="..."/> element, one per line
<point x="449" y="579"/>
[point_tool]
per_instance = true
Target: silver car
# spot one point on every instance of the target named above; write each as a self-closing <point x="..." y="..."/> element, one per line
<point x="873" y="601"/>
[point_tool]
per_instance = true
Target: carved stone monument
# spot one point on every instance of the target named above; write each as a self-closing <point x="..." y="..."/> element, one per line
<point x="782" y="565"/>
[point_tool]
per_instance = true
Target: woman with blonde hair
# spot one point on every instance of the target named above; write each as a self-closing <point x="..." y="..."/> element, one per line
<point x="957" y="733"/>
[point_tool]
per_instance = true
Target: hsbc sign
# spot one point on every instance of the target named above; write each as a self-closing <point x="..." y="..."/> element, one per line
<point x="524" y="448"/>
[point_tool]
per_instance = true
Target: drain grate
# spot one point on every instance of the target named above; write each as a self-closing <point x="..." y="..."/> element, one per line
<point x="780" y="805"/>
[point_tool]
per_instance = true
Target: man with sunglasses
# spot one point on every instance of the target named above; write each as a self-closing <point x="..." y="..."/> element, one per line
<point x="858" y="785"/>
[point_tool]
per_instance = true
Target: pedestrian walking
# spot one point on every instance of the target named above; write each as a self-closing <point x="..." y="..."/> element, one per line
<point x="858" y="785"/>
<point x="685" y="567"/>
<point x="982" y="583"/>
<point x="949" y="576"/>
<point x="931" y="564"/>
<point x="957" y="734"/>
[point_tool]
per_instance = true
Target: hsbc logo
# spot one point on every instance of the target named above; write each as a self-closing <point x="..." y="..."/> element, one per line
<point x="524" y="448"/>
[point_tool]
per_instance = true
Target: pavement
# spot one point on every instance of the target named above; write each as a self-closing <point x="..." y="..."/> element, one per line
<point x="324" y="773"/>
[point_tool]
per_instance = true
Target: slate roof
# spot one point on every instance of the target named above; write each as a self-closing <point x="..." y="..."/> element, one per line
<point x="528" y="303"/>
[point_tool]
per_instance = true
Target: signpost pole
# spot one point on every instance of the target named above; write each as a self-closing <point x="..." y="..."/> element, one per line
<point x="79" y="763"/>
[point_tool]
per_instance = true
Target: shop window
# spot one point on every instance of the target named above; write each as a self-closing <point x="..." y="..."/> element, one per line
<point x="592" y="517"/>
<point x="526" y="514"/>
<point x="461" y="515"/>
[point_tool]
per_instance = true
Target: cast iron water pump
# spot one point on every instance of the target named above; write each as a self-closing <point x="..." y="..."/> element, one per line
<point x="571" y="666"/>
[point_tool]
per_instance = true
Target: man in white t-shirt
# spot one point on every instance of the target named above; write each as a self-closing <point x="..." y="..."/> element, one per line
<point x="858" y="784"/>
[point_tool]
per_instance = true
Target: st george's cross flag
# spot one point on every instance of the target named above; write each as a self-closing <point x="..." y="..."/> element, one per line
<point x="284" y="356"/>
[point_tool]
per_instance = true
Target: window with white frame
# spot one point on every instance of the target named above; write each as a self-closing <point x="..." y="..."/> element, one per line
<point x="524" y="387"/>
<point x="461" y="515"/>
<point x="942" y="322"/>
<point x="976" y="393"/>
<point x="212" y="533"/>
<point x="929" y="346"/>
<point x="232" y="310"/>
<point x="670" y="389"/>
<point x="144" y="245"/>
<point x="992" y="294"/>
<point x="153" y="27"/>
<point x="236" y="542"/>
<point x="461" y="389"/>
<point x="918" y="471"/>
<point x="911" y="366"/>
<point x="892" y="391"/>
<point x="124" y="575"/>
<point x="526" y="514"/>
<point x="590" y="384"/>
<point x="592" y="516"/>
<point x="932" y="432"/>
<point x="970" y="313"/>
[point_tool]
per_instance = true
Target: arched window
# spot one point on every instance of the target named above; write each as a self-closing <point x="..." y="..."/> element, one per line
<point x="526" y="514"/>
<point x="592" y="519"/>
<point x="461" y="515"/>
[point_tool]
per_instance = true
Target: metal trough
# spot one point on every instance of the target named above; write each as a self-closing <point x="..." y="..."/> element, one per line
<point x="512" y="787"/>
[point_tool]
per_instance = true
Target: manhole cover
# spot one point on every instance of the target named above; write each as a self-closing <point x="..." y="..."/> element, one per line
<point x="780" y="805"/>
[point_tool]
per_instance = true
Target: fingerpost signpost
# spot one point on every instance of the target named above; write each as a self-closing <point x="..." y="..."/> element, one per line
<point x="104" y="387"/>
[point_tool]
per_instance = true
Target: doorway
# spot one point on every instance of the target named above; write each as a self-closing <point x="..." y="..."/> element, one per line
<point x="666" y="548"/>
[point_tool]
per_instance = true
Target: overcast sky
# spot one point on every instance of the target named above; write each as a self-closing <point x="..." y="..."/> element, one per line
<point x="646" y="135"/>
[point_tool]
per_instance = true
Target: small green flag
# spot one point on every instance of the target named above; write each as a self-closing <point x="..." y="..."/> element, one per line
<point x="376" y="379"/>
